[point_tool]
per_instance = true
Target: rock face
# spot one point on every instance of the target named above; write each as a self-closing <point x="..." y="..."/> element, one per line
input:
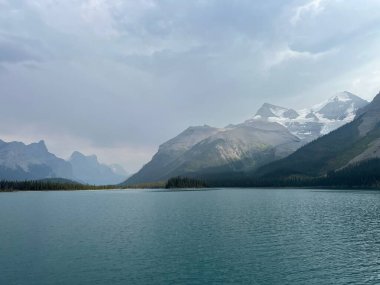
<point x="272" y="111"/>
<point x="87" y="169"/>
<point x="166" y="160"/>
<point x="351" y="144"/>
<point x="273" y="133"/>
<point x="19" y="161"/>
<point x="239" y="148"/>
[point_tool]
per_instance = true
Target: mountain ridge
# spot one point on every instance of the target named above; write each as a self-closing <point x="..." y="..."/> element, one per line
<point x="87" y="169"/>
<point x="20" y="161"/>
<point x="354" y="142"/>
<point x="247" y="146"/>
<point x="310" y="123"/>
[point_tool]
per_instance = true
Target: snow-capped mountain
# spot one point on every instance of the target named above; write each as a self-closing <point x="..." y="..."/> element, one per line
<point x="349" y="146"/>
<point x="311" y="123"/>
<point x="273" y="111"/>
<point x="19" y="161"/>
<point x="87" y="169"/>
<point x="273" y="133"/>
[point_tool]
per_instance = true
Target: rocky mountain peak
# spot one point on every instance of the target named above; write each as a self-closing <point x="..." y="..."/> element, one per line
<point x="310" y="123"/>
<point x="76" y="155"/>
<point x="19" y="161"/>
<point x="341" y="106"/>
<point x="344" y="96"/>
<point x="269" y="110"/>
<point x="39" y="146"/>
<point x="87" y="169"/>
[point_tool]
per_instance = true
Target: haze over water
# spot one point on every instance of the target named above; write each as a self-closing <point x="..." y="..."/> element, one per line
<point x="190" y="237"/>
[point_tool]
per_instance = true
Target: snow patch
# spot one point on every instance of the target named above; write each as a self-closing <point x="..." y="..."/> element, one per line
<point x="312" y="122"/>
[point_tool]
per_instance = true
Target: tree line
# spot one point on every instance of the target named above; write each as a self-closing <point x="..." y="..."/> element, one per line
<point x="185" y="182"/>
<point x="360" y="175"/>
<point x="41" y="185"/>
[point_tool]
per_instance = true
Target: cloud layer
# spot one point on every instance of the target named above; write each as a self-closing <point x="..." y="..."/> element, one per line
<point x="120" y="77"/>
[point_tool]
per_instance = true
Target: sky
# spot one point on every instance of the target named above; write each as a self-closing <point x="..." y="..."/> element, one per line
<point x="118" y="78"/>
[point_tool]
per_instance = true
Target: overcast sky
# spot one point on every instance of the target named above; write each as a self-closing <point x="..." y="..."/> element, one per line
<point x="119" y="77"/>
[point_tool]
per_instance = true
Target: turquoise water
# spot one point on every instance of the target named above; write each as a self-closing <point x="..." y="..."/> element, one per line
<point x="235" y="236"/>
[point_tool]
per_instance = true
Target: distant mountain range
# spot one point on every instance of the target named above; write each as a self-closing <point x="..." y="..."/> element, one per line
<point x="271" y="134"/>
<point x="19" y="161"/>
<point x="87" y="169"/>
<point x="26" y="162"/>
<point x="276" y="144"/>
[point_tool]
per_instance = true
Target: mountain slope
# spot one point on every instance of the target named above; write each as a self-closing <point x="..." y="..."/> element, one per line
<point x="24" y="162"/>
<point x="87" y="169"/>
<point x="242" y="147"/>
<point x="236" y="148"/>
<point x="352" y="143"/>
<point x="273" y="133"/>
<point x="163" y="162"/>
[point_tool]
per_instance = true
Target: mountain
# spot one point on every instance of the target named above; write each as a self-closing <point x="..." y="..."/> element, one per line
<point x="350" y="145"/>
<point x="87" y="169"/>
<point x="238" y="148"/>
<point x="19" y="161"/>
<point x="273" y="133"/>
<point x="272" y="111"/>
<point x="119" y="170"/>
<point x="164" y="162"/>
<point x="309" y="124"/>
<point x="208" y="150"/>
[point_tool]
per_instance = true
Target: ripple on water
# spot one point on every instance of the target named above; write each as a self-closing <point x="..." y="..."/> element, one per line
<point x="235" y="236"/>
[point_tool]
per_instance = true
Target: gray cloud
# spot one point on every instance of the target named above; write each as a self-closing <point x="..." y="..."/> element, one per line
<point x="121" y="77"/>
<point x="16" y="50"/>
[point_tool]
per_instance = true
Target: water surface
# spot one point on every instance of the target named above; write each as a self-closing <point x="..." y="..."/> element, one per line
<point x="225" y="236"/>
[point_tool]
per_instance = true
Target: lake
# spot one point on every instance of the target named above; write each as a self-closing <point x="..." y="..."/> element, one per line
<point x="218" y="236"/>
